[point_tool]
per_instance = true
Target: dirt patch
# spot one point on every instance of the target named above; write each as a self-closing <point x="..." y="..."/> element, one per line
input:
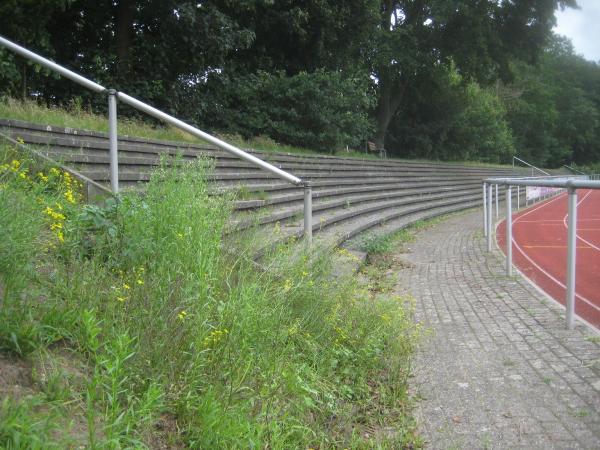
<point x="388" y="261"/>
<point x="15" y="377"/>
<point x="165" y="435"/>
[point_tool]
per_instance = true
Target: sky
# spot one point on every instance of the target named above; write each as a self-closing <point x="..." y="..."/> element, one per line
<point x="582" y="27"/>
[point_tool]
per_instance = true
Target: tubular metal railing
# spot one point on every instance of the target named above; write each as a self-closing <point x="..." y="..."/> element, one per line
<point x="571" y="184"/>
<point x="522" y="161"/>
<point x="573" y="169"/>
<point x="114" y="96"/>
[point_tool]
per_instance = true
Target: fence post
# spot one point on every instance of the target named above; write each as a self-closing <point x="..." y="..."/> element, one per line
<point x="485" y="230"/>
<point x="112" y="136"/>
<point x="508" y="231"/>
<point x="308" y="211"/>
<point x="489" y="235"/>
<point x="571" y="257"/>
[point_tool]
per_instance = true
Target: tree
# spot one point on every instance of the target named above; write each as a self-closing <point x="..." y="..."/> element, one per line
<point x="479" y="36"/>
<point x="449" y="119"/>
<point x="144" y="47"/>
<point x="555" y="117"/>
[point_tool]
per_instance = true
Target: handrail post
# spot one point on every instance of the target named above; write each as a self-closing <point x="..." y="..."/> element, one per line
<point x="485" y="227"/>
<point x="113" y="142"/>
<point x="307" y="211"/>
<point x="497" y="202"/>
<point x="571" y="258"/>
<point x="489" y="223"/>
<point x="508" y="231"/>
<point x="518" y="197"/>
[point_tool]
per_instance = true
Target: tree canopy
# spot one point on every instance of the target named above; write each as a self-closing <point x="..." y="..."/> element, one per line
<point x="467" y="79"/>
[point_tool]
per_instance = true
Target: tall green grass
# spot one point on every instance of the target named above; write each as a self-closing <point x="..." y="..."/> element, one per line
<point x="178" y="326"/>
<point x="75" y="115"/>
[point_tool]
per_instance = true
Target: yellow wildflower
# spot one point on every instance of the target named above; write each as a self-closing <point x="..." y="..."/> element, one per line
<point x="182" y="315"/>
<point x="69" y="196"/>
<point x="126" y="286"/>
<point x="215" y="337"/>
<point x="121" y="299"/>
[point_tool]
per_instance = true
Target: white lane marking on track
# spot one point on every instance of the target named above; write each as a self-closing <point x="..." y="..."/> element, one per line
<point x="583" y="299"/>
<point x="557" y="220"/>
<point x="576" y="235"/>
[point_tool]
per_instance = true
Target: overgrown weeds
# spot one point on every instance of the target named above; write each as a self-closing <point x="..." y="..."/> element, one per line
<point x="172" y="321"/>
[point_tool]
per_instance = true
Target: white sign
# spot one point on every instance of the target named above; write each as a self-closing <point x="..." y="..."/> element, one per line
<point x="537" y="192"/>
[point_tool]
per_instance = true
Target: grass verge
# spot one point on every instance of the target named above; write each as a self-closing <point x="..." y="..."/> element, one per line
<point x="134" y="325"/>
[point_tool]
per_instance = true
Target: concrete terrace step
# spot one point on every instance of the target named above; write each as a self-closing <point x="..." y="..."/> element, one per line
<point x="262" y="177"/>
<point x="350" y="195"/>
<point x="352" y="203"/>
<point x="321" y="194"/>
<point x="83" y="140"/>
<point x="337" y="230"/>
<point x="101" y="160"/>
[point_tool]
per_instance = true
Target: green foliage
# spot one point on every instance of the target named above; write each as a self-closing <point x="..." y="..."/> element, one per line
<point x="321" y="110"/>
<point x="453" y="120"/>
<point x="21" y="427"/>
<point x="173" y="322"/>
<point x="480" y="132"/>
<point x="554" y="108"/>
<point x="325" y="75"/>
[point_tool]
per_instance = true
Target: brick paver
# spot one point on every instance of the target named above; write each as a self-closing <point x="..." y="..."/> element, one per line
<point x="499" y="369"/>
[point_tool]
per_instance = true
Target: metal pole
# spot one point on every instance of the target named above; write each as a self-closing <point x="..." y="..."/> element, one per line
<point x="571" y="257"/>
<point x="489" y="235"/>
<point x="51" y="65"/>
<point x="150" y="110"/>
<point x="112" y="137"/>
<point x="508" y="231"/>
<point x="307" y="211"/>
<point x="485" y="230"/>
<point x="518" y="197"/>
<point x="496" y="202"/>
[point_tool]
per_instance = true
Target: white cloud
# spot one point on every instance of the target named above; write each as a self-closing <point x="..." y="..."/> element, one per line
<point x="582" y="26"/>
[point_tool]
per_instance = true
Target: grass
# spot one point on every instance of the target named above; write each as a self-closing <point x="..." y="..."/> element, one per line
<point x="375" y="244"/>
<point x="142" y="328"/>
<point x="75" y="116"/>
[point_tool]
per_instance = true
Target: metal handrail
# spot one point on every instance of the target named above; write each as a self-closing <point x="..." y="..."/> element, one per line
<point x="574" y="170"/>
<point x="527" y="164"/>
<point x="114" y="95"/>
<point x="571" y="184"/>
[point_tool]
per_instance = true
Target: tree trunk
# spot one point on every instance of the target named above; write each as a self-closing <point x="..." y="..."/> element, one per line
<point x="24" y="79"/>
<point x="124" y="33"/>
<point x="390" y="97"/>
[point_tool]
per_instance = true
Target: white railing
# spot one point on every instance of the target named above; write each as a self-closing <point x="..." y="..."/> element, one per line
<point x="114" y="96"/>
<point x="571" y="184"/>
<point x="522" y="161"/>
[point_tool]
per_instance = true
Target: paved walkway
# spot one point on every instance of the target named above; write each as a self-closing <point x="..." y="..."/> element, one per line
<point x="499" y="369"/>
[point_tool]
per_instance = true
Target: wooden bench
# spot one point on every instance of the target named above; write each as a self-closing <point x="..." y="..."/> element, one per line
<point x="372" y="147"/>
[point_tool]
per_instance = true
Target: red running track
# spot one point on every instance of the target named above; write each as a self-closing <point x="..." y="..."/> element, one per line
<point x="540" y="250"/>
